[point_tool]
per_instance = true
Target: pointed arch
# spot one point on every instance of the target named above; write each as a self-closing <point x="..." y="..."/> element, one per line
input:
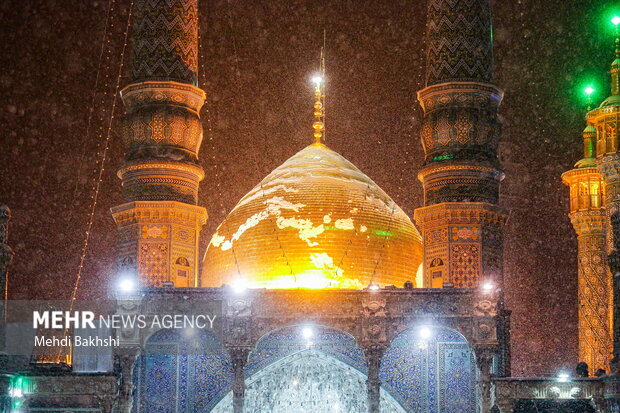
<point x="288" y="340"/>
<point x="321" y="371"/>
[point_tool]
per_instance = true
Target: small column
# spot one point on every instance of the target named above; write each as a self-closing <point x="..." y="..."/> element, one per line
<point x="239" y="357"/>
<point x="125" y="362"/>
<point x="238" y="341"/>
<point x="374" y="342"/>
<point x="484" y="360"/>
<point x="374" y="354"/>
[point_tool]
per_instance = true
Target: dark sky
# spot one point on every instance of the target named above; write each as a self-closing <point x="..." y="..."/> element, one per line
<point x="257" y="59"/>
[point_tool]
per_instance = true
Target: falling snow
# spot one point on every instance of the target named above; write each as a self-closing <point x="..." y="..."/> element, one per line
<point x="258" y="58"/>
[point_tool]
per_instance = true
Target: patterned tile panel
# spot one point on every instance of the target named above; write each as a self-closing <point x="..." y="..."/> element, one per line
<point x="434" y="375"/>
<point x="173" y="378"/>
<point x="459" y="41"/>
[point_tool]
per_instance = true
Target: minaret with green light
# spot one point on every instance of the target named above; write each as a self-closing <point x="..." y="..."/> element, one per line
<point x="594" y="279"/>
<point x="605" y="120"/>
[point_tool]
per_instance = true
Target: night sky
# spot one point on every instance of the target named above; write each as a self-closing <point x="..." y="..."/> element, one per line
<point x="60" y="69"/>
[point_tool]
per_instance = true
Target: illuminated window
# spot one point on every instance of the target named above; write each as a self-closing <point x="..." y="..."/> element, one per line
<point x="574" y="201"/>
<point x="182" y="265"/>
<point x="436" y="262"/>
<point x="436" y="267"/>
<point x="583" y="195"/>
<point x="610" y="137"/>
<point x="595" y="195"/>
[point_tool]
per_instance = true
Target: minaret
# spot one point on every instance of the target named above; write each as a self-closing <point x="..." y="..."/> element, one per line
<point x="605" y="120"/>
<point x="594" y="280"/>
<point x="159" y="225"/>
<point x="461" y="221"/>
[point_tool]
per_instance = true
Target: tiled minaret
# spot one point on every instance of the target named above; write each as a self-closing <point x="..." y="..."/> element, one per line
<point x="461" y="221"/>
<point x="159" y="225"/>
<point x="605" y="120"/>
<point x="594" y="279"/>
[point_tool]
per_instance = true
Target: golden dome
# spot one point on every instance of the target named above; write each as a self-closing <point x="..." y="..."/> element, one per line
<point x="315" y="222"/>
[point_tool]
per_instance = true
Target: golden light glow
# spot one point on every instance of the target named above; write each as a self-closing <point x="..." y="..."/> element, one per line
<point x="309" y="279"/>
<point x="239" y="285"/>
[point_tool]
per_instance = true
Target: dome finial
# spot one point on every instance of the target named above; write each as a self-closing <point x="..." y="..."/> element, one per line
<point x="319" y="99"/>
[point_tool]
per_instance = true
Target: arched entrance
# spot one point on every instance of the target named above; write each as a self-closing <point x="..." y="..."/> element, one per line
<point x="431" y="369"/>
<point x="307" y="370"/>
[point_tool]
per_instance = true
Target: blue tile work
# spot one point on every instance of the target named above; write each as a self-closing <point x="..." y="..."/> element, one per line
<point x="436" y="375"/>
<point x="161" y="375"/>
<point x="432" y="375"/>
<point x="289" y="340"/>
<point x="180" y="373"/>
<point x="457" y="386"/>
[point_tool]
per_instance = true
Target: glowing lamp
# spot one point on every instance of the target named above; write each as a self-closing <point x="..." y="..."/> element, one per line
<point x="487" y="286"/>
<point x="425" y="333"/>
<point x="16" y="392"/>
<point x="563" y="377"/>
<point x="616" y="20"/>
<point x="317" y="79"/>
<point x="127" y="285"/>
<point x="307" y="333"/>
<point x="589" y="90"/>
<point x="239" y="286"/>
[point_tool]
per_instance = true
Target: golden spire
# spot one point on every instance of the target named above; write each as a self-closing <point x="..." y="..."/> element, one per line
<point x="319" y="98"/>
<point x="319" y="110"/>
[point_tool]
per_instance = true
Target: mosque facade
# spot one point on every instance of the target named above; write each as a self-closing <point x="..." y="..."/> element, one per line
<point x="328" y="297"/>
